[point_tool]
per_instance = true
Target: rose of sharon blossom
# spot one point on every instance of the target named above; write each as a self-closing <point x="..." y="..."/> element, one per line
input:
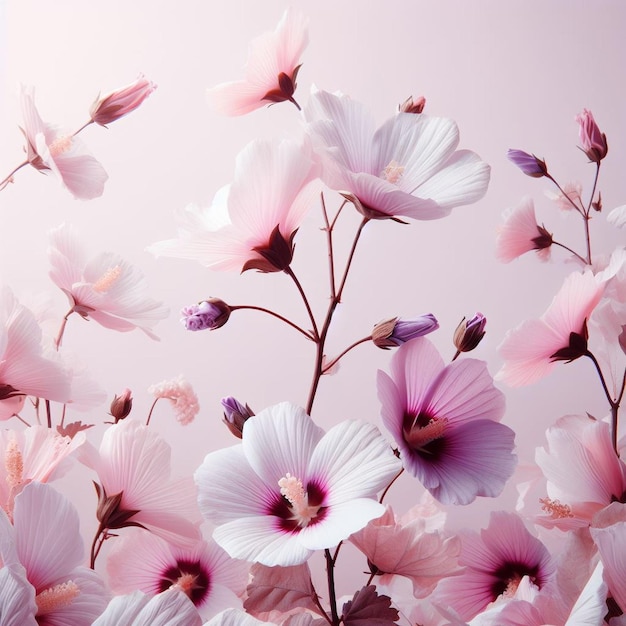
<point x="409" y="167"/>
<point x="111" y="107"/>
<point x="181" y="395"/>
<point x="273" y="64"/>
<point x="63" y="154"/>
<point x="105" y="288"/>
<point x="289" y="488"/>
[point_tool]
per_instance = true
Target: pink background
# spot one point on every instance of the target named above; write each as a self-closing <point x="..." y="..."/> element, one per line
<point x="512" y="74"/>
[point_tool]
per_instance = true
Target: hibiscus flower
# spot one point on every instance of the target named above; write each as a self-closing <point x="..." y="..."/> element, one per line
<point x="289" y="488"/>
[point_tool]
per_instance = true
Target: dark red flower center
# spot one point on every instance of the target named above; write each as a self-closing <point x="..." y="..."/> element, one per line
<point x="289" y="514"/>
<point x="190" y="577"/>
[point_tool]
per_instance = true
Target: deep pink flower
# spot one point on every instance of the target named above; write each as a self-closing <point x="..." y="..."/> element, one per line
<point x="65" y="155"/>
<point x="271" y="72"/>
<point x="105" y="288"/>
<point x="289" y="488"/>
<point x="252" y="223"/>
<point x="520" y="233"/>
<point x="445" y="421"/>
<point x="593" y="141"/>
<point x="495" y="563"/>
<point x="531" y="351"/>
<point x="409" y="167"/>
<point x="204" y="572"/>
<point x="107" y="109"/>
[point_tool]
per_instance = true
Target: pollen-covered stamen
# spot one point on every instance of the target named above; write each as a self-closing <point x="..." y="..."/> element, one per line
<point x="393" y="172"/>
<point x="555" y="509"/>
<point x="108" y="279"/>
<point x="511" y="586"/>
<point x="60" y="145"/>
<point x="418" y="437"/>
<point x="14" y="465"/>
<point x="187" y="584"/>
<point x="57" y="597"/>
<point x="292" y="490"/>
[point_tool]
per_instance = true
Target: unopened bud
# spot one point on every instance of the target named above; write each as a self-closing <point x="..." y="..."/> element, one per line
<point x="469" y="333"/>
<point x="235" y="415"/>
<point x="208" y="314"/>
<point x="121" y="101"/>
<point x="593" y="141"/>
<point x="121" y="405"/>
<point x="413" y="106"/>
<point x="394" y="332"/>
<point x="528" y="163"/>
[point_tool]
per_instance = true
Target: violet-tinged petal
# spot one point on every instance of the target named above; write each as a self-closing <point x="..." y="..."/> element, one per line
<point x="209" y="314"/>
<point x="469" y="333"/>
<point x="528" y="163"/>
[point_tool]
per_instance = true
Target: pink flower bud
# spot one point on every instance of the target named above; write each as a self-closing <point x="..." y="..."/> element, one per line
<point x="593" y="141"/>
<point x="118" y="103"/>
<point x="121" y="405"/>
<point x="413" y="106"/>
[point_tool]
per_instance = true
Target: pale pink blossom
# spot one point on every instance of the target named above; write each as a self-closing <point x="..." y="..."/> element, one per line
<point x="271" y="71"/>
<point x="181" y="395"/>
<point x="105" y="287"/>
<point x="133" y="463"/>
<point x="111" y="107"/>
<point x="24" y="371"/>
<point x="204" y="572"/>
<point x="289" y="488"/>
<point x="617" y="217"/>
<point x="409" y="167"/>
<point x="50" y="150"/>
<point x="252" y="223"/>
<point x="445" y="421"/>
<point x="532" y="350"/>
<point x="571" y="193"/>
<point x="521" y="233"/>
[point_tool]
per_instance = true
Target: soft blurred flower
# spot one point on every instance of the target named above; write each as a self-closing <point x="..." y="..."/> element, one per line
<point x="532" y="350"/>
<point x="617" y="217"/>
<point x="65" y="155"/>
<point x="290" y="489"/>
<point x="469" y="333"/>
<point x="593" y="141"/>
<point x="181" y="395"/>
<point x="235" y="617"/>
<point x="409" y="167"/>
<point x="520" y="233"/>
<point x="496" y="562"/>
<point x="235" y="415"/>
<point x="122" y="405"/>
<point x="396" y="331"/>
<point x="611" y="542"/>
<point x="252" y="223"/>
<point x="209" y="314"/>
<point x="528" y="163"/>
<point x="107" y="109"/>
<point x="568" y="198"/>
<point x="105" y="288"/>
<point x="413" y="106"/>
<point x="445" y="421"/>
<point x="204" y="572"/>
<point x="273" y="64"/>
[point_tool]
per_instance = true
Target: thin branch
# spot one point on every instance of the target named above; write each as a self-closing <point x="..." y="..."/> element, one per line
<point x="293" y="277"/>
<point x="273" y="314"/>
<point x="336" y="360"/>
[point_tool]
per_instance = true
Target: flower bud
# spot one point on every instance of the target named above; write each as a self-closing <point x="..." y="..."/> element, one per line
<point x="121" y="405"/>
<point x="528" y="163"/>
<point x="121" y="101"/>
<point x="413" y="106"/>
<point x="593" y="141"/>
<point x="394" y="332"/>
<point x="469" y="333"/>
<point x="235" y="415"/>
<point x="208" y="314"/>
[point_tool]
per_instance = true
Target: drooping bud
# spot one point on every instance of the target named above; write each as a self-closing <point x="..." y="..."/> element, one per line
<point x="120" y="102"/>
<point x="235" y="415"/>
<point x="528" y="163"/>
<point x="593" y="141"/>
<point x="469" y="333"/>
<point x="394" y="332"/>
<point x="121" y="405"/>
<point x="576" y="346"/>
<point x="208" y="314"/>
<point x="413" y="106"/>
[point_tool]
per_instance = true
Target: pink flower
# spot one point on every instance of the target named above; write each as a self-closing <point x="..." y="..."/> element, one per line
<point x="593" y="141"/>
<point x="181" y="395"/>
<point x="520" y="233"/>
<point x="251" y="224"/>
<point x="133" y="466"/>
<point x="409" y="167"/>
<point x="444" y="420"/>
<point x="531" y="351"/>
<point x="495" y="563"/>
<point x="107" y="109"/>
<point x="51" y="552"/>
<point x="273" y="64"/>
<point x="289" y="488"/>
<point x="572" y="193"/>
<point x="204" y="572"/>
<point x="50" y="150"/>
<point x="23" y="369"/>
<point x="611" y="542"/>
<point x="105" y="288"/>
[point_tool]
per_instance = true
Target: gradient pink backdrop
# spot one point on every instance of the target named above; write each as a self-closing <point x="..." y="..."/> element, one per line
<point x="512" y="74"/>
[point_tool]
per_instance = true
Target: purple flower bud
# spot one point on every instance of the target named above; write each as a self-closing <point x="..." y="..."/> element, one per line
<point x="528" y="163"/>
<point x="394" y="332"/>
<point x="235" y="415"/>
<point x="208" y="314"/>
<point x="469" y="333"/>
<point x="593" y="141"/>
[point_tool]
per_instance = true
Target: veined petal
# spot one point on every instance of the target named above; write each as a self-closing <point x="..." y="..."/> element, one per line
<point x="17" y="598"/>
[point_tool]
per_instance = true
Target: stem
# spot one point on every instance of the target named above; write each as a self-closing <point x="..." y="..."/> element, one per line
<point x="293" y="101"/>
<point x="59" y="338"/>
<point x="329" y="366"/>
<point x="95" y="550"/>
<point x="588" y="212"/>
<point x="48" y="414"/>
<point x="350" y="257"/>
<point x="293" y="277"/>
<point x="579" y="209"/>
<point x="82" y="128"/>
<point x="389" y="485"/>
<point x="322" y="609"/>
<point x="273" y="314"/>
<point x="329" y="238"/>
<point x="578" y="256"/>
<point x="332" y="595"/>
<point x="457" y="354"/>
<point x="9" y="178"/>
<point x="151" y="409"/>
<point x="19" y="417"/>
<point x="63" y="415"/>
<point x="613" y="403"/>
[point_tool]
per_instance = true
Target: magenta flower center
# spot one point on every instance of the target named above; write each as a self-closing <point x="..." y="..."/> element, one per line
<point x="298" y="506"/>
<point x="425" y="433"/>
<point x="188" y="576"/>
<point x="509" y="576"/>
